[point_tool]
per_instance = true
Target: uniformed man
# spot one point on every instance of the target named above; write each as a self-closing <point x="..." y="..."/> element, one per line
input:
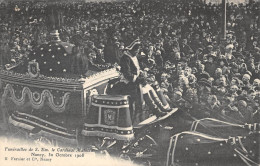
<point x="130" y="71"/>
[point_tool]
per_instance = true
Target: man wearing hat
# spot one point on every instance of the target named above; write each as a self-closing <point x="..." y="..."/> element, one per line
<point x="77" y="39"/>
<point x="178" y="101"/>
<point x="129" y="63"/>
<point x="246" y="115"/>
<point x="117" y="52"/>
<point x="130" y="71"/>
<point x="196" y="43"/>
<point x="212" y="107"/>
<point x="197" y="56"/>
<point x="208" y="49"/>
<point x="185" y="48"/>
<point x="211" y="64"/>
<point x="204" y="90"/>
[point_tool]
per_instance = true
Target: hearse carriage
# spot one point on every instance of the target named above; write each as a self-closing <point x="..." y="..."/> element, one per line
<point x="42" y="99"/>
<point x="42" y="95"/>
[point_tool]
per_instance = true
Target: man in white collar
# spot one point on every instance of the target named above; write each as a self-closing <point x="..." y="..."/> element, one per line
<point x="129" y="63"/>
<point x="130" y="70"/>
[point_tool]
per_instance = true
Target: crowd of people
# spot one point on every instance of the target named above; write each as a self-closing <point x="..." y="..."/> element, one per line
<point x="183" y="50"/>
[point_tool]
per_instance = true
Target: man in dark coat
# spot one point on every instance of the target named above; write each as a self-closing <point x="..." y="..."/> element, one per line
<point x="185" y="48"/>
<point x="129" y="63"/>
<point x="79" y="63"/>
<point x="117" y="53"/>
<point x="131" y="70"/>
<point x="158" y="59"/>
<point x="112" y="52"/>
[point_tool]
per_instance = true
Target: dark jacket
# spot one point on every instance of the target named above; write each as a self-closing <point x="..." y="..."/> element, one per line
<point x="128" y="68"/>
